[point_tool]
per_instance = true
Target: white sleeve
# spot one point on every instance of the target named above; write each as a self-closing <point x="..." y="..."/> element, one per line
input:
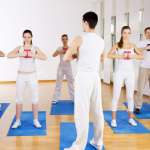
<point x="59" y="49"/>
<point x="140" y="45"/>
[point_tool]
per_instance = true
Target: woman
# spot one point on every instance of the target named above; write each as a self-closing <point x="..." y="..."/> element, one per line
<point x="27" y="75"/>
<point x="64" y="68"/>
<point x="1" y="55"/>
<point x="124" y="71"/>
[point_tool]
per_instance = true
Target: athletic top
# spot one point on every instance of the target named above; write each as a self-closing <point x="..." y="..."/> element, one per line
<point x="145" y="62"/>
<point x="90" y="52"/>
<point x="27" y="64"/>
<point x="63" y="64"/>
<point x="125" y="66"/>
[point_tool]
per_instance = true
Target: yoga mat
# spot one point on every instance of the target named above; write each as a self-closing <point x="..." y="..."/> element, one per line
<point x="123" y="126"/>
<point x="27" y="128"/>
<point x="144" y="112"/>
<point x="68" y="136"/>
<point x="63" y="107"/>
<point x="4" y="107"/>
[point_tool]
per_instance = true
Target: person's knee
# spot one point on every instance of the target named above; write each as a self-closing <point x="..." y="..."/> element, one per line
<point x="34" y="101"/>
<point x="19" y="101"/>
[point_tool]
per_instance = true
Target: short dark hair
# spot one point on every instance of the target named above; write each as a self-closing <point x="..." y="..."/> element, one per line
<point x="91" y="18"/>
<point x="64" y="35"/>
<point x="147" y="29"/>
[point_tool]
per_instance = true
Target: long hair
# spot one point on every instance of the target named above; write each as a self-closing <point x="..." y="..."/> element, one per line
<point x="30" y="32"/>
<point x="120" y="43"/>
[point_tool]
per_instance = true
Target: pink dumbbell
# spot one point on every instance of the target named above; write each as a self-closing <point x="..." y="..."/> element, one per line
<point x="129" y="52"/>
<point x="65" y="49"/>
<point x="125" y="52"/>
<point x="27" y="50"/>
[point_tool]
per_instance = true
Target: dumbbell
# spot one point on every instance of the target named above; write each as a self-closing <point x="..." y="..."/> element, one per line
<point x="27" y="50"/>
<point x="148" y="45"/>
<point x="65" y="49"/>
<point x="127" y="57"/>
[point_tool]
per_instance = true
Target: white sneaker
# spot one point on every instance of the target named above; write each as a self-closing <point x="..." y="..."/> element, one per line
<point x="132" y="122"/>
<point x="37" y="124"/>
<point x="16" y="125"/>
<point x="113" y="123"/>
<point x="54" y="102"/>
<point x="96" y="146"/>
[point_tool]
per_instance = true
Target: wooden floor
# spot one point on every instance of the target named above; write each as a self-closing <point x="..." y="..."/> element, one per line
<point x="112" y="141"/>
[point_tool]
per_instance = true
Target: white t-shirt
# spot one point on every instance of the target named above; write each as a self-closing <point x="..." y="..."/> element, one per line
<point x="145" y="62"/>
<point x="90" y="52"/>
<point x="62" y="64"/>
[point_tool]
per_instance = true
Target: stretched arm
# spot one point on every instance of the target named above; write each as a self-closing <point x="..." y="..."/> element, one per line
<point x="15" y="53"/>
<point x="144" y="48"/>
<point x="112" y="55"/>
<point x="72" y="49"/>
<point x="138" y="52"/>
<point x="2" y="54"/>
<point x="39" y="54"/>
<point x="103" y="55"/>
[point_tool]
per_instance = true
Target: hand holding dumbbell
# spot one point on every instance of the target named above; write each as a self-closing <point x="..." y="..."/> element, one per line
<point x="129" y="55"/>
<point x="27" y="51"/>
<point x="65" y="50"/>
<point x="125" y="55"/>
<point x="148" y="47"/>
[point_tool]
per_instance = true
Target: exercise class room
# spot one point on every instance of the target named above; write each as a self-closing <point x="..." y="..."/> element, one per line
<point x="74" y="75"/>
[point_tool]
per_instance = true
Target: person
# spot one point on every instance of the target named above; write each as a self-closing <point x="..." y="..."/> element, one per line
<point x="64" y="68"/>
<point x="1" y="55"/>
<point x="124" y="71"/>
<point x="27" y="76"/>
<point x="87" y="83"/>
<point x="144" y="70"/>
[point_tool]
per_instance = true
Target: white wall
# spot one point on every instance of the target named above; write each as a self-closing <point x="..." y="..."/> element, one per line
<point x="107" y="38"/>
<point x="48" y="20"/>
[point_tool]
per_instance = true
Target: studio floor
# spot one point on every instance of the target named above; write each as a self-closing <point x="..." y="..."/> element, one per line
<point x="51" y="141"/>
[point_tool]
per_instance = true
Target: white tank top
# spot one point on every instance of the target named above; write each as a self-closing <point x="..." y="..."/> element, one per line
<point x="90" y="52"/>
<point x="125" y="66"/>
<point x="27" y="64"/>
<point x="62" y="64"/>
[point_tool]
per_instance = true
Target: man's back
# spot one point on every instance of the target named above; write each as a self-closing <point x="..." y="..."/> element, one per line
<point x="90" y="52"/>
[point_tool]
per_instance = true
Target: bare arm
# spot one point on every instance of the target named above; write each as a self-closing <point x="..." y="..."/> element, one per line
<point x="112" y="55"/>
<point x="15" y="53"/>
<point x="56" y="53"/>
<point x="39" y="54"/>
<point x="2" y="54"/>
<point x="103" y="55"/>
<point x="138" y="52"/>
<point x="72" y="49"/>
<point x="144" y="48"/>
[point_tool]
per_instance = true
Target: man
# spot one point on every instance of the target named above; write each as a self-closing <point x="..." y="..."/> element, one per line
<point x="1" y="55"/>
<point x="144" y="71"/>
<point x="87" y="83"/>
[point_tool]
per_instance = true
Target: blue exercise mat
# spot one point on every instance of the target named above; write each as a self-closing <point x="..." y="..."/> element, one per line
<point x="68" y="135"/>
<point x="4" y="107"/>
<point x="144" y="112"/>
<point x="123" y="126"/>
<point x="27" y="128"/>
<point x="63" y="107"/>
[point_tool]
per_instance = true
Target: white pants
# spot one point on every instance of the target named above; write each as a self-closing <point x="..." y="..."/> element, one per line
<point x="118" y="83"/>
<point x="88" y="96"/>
<point x="60" y="75"/>
<point x="32" y="82"/>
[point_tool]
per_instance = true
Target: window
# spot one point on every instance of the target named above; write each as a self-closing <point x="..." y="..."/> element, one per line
<point x="126" y="19"/>
<point x="141" y="14"/>
<point x="113" y="41"/>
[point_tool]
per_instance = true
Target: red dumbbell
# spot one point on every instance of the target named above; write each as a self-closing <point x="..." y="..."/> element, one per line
<point x="129" y="53"/>
<point x="65" y="49"/>
<point x="125" y="52"/>
<point x="27" y="50"/>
